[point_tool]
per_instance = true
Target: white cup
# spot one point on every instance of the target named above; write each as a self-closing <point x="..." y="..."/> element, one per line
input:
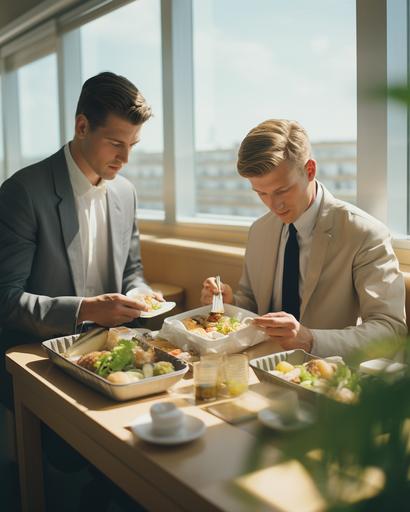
<point x="286" y="405"/>
<point x="167" y="419"/>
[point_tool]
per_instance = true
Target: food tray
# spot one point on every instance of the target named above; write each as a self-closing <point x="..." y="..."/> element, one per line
<point x="173" y="331"/>
<point x="57" y="347"/>
<point x="164" y="345"/>
<point x="263" y="365"/>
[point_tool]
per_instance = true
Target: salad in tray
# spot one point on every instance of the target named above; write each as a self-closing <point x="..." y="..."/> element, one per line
<point x="126" y="362"/>
<point x="217" y="333"/>
<point x="213" y="325"/>
<point x="335" y="380"/>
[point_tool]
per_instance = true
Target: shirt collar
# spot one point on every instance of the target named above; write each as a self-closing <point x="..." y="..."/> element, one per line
<point x="306" y="222"/>
<point x="79" y="182"/>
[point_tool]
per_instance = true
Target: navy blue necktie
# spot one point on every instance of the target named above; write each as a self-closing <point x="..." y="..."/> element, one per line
<point x="290" y="282"/>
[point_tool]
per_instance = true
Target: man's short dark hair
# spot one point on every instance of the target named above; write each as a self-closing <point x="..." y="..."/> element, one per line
<point x="108" y="93"/>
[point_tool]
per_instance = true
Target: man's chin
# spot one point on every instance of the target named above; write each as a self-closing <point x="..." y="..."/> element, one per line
<point x="285" y="217"/>
<point x="111" y="172"/>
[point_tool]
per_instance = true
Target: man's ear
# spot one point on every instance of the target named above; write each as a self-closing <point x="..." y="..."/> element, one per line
<point x="82" y="126"/>
<point x="310" y="168"/>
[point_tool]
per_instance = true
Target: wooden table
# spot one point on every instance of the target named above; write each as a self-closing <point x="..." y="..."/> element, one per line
<point x="201" y="476"/>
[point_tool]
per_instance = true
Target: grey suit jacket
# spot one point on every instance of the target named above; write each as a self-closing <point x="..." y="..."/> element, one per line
<point x="352" y="273"/>
<point x="41" y="267"/>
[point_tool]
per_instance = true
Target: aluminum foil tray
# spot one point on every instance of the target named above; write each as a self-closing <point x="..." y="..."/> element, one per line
<point x="262" y="366"/>
<point x="59" y="350"/>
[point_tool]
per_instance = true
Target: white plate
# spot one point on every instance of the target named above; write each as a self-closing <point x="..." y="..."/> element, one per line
<point x="164" y="306"/>
<point x="192" y="429"/>
<point x="272" y="419"/>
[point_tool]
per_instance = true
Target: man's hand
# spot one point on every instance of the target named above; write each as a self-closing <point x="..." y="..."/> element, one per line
<point x="110" y="309"/>
<point x="286" y="330"/>
<point x="209" y="289"/>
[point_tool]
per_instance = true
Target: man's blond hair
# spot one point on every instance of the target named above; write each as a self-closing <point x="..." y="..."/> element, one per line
<point x="269" y="144"/>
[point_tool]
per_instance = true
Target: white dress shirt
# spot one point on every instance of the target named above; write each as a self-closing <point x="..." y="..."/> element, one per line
<point x="91" y="202"/>
<point x="304" y="226"/>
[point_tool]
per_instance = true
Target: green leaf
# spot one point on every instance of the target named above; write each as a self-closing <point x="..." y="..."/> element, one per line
<point x="121" y="357"/>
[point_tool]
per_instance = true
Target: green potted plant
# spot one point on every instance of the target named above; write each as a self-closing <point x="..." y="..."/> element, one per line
<point x="357" y="455"/>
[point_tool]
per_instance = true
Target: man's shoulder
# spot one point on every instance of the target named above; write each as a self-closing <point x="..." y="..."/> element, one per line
<point x="267" y="221"/>
<point x="36" y="172"/>
<point x="354" y="217"/>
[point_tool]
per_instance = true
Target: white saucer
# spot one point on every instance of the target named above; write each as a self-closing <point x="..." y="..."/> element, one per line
<point x="272" y="419"/>
<point x="192" y="429"/>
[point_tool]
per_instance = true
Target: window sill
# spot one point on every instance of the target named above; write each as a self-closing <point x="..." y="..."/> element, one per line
<point x="223" y="239"/>
<point x="402" y="242"/>
<point x="200" y="230"/>
<point x="401" y="246"/>
<point x="182" y="245"/>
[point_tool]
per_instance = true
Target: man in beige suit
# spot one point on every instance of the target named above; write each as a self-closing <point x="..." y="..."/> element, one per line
<point x="321" y="273"/>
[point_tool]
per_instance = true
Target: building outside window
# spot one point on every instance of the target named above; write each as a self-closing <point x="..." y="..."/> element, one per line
<point x="38" y="110"/>
<point x="127" y="41"/>
<point x="292" y="60"/>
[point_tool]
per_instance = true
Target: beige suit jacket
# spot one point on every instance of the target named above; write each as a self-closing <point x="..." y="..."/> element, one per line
<point x="352" y="273"/>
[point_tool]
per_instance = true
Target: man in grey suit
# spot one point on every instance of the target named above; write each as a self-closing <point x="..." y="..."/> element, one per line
<point x="320" y="272"/>
<point x="69" y="243"/>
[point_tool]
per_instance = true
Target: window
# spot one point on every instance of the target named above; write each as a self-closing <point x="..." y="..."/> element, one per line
<point x="38" y="109"/>
<point x="292" y="60"/>
<point x="222" y="66"/>
<point x="127" y="41"/>
<point x="2" y="166"/>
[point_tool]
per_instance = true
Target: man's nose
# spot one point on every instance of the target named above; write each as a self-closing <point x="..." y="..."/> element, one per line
<point x="276" y="203"/>
<point x="270" y="203"/>
<point x="124" y="155"/>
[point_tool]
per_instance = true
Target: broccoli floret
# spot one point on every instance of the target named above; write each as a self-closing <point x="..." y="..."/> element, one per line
<point x="305" y="375"/>
<point x="163" y="367"/>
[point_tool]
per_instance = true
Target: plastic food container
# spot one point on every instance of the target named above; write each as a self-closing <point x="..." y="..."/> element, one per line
<point x="60" y="349"/>
<point x="175" y="332"/>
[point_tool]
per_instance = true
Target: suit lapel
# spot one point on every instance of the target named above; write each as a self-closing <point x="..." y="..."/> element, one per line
<point x="69" y="220"/>
<point x="269" y="256"/>
<point x="115" y="223"/>
<point x="321" y="238"/>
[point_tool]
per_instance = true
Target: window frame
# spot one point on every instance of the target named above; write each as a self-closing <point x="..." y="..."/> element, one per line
<point x="377" y="164"/>
<point x="382" y="160"/>
<point x="28" y="48"/>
